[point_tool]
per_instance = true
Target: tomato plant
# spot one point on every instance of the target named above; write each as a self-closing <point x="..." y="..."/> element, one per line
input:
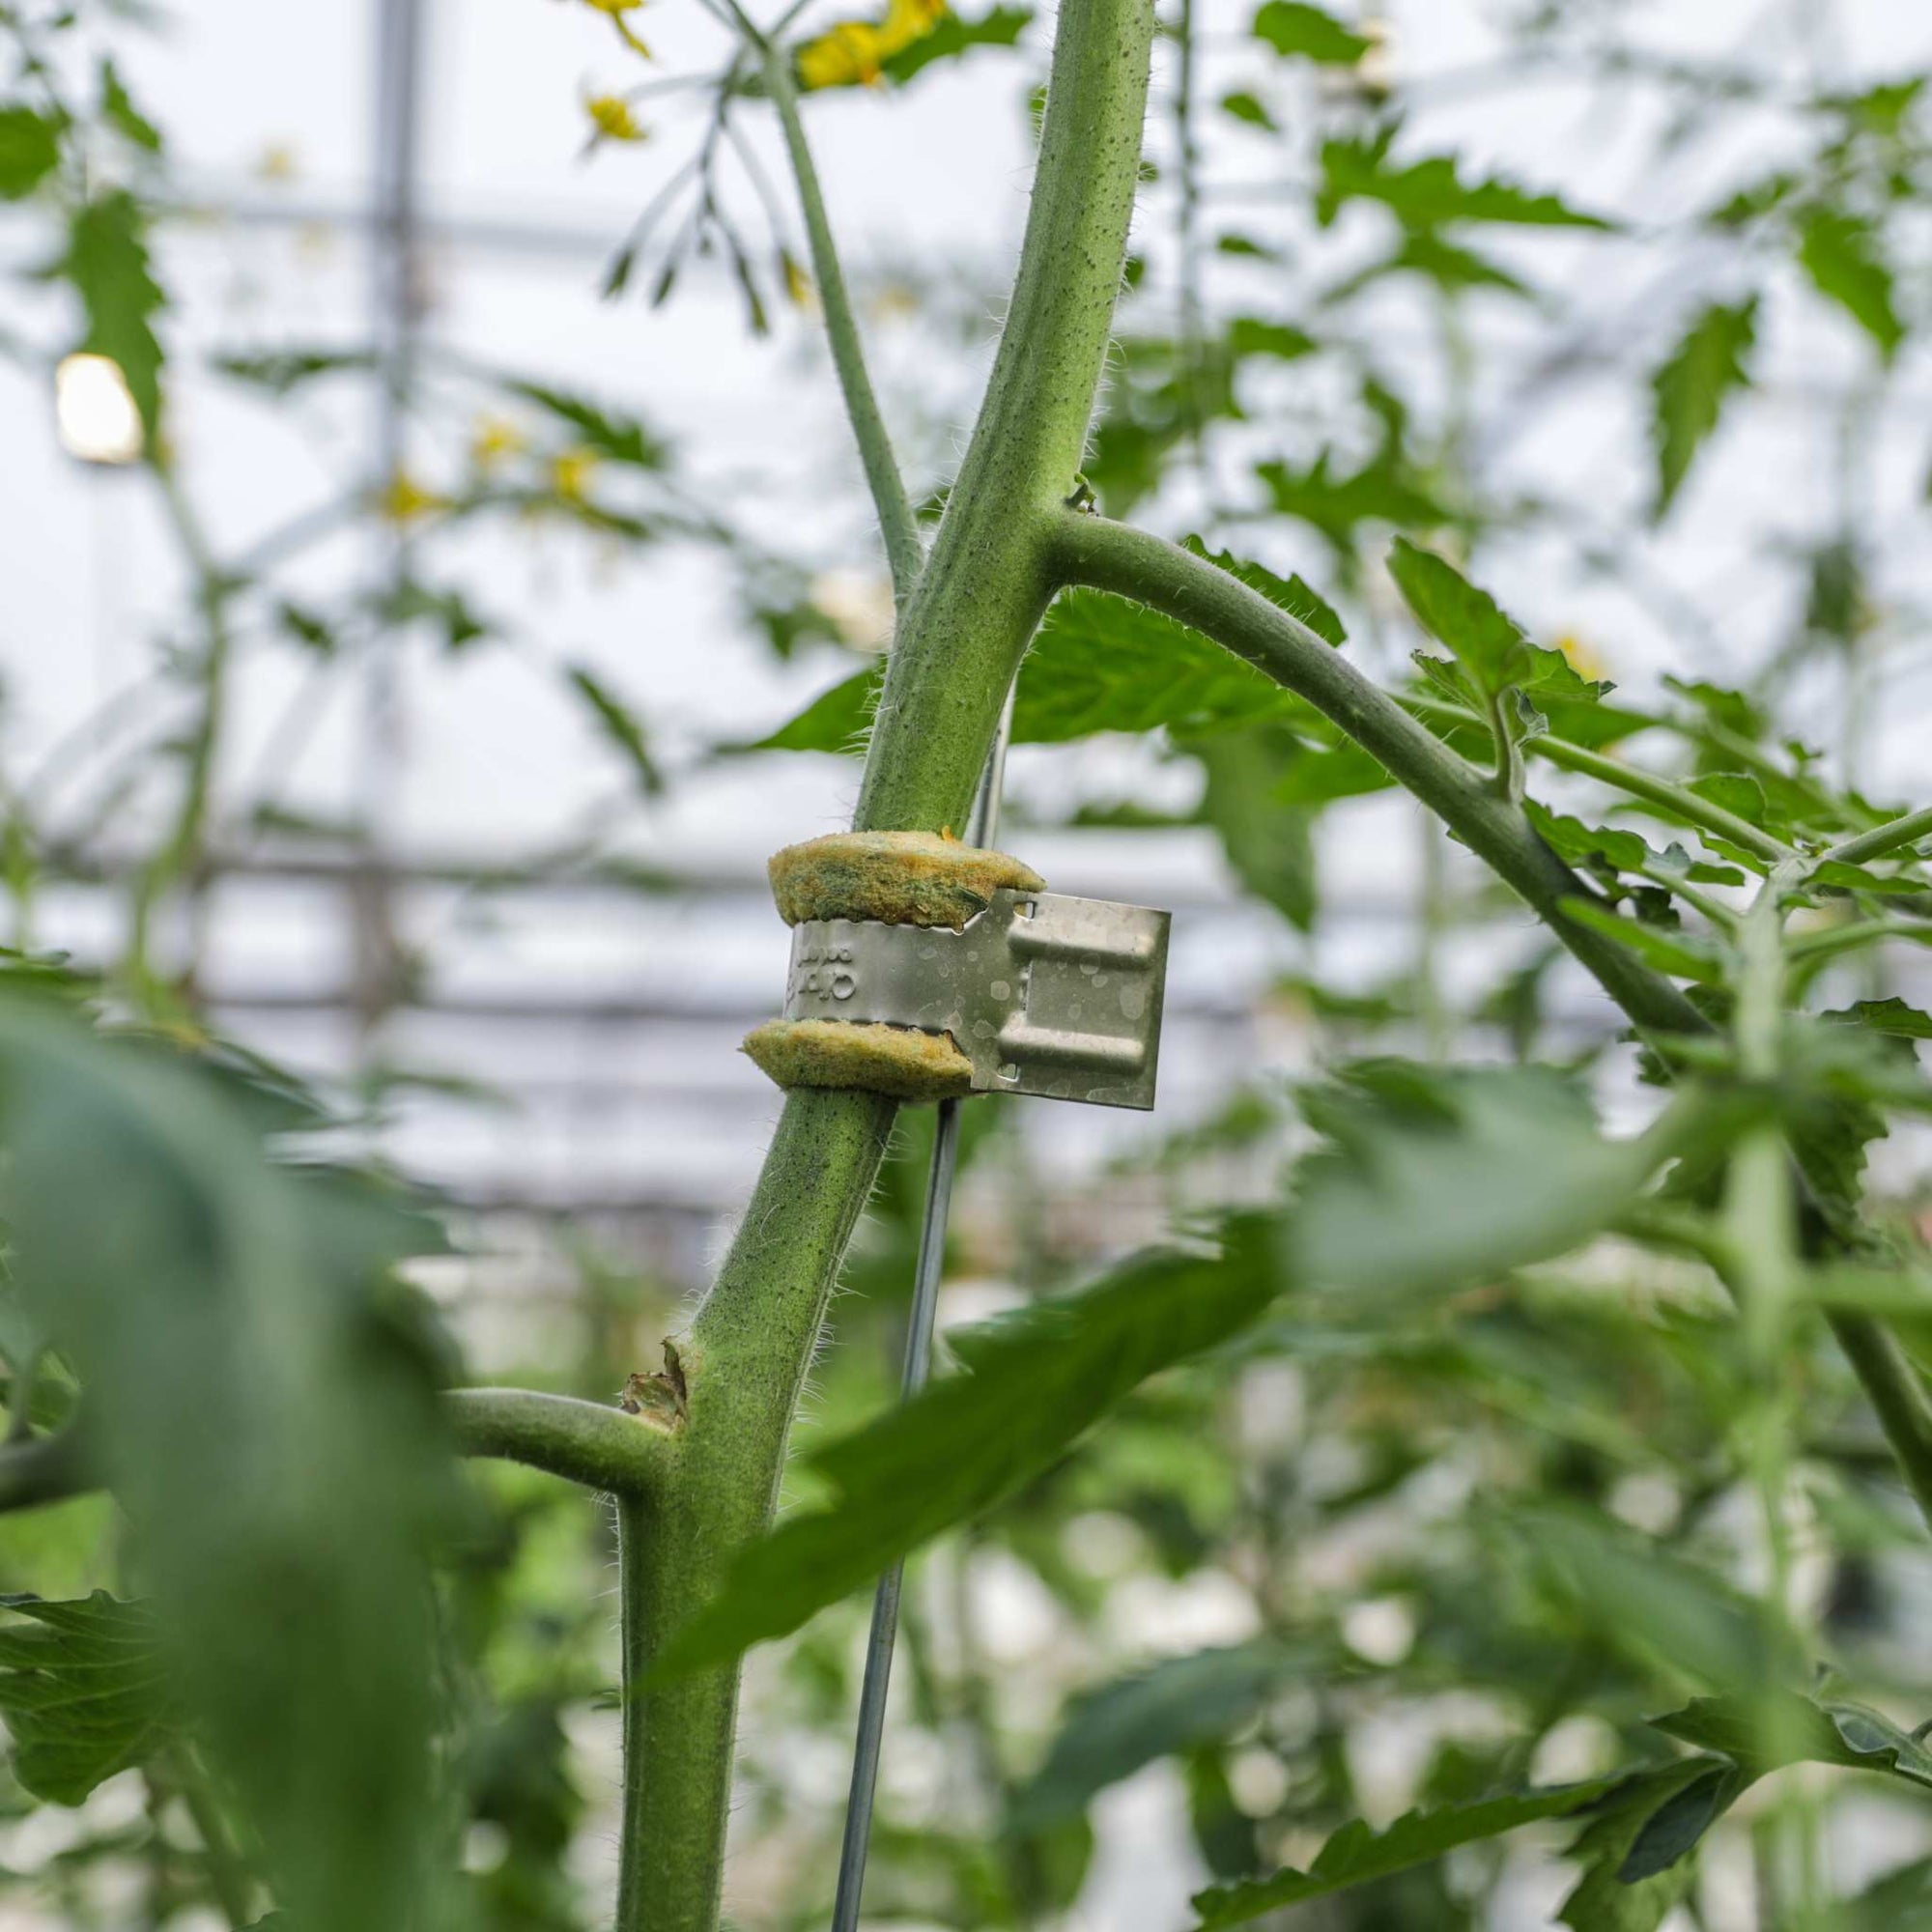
<point x="1621" y="1436"/>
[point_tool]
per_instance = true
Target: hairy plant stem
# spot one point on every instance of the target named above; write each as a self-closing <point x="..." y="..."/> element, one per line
<point x="602" y="1448"/>
<point x="896" y="525"/>
<point x="1111" y="556"/>
<point x="987" y="583"/>
<point x="962" y="635"/>
<point x="1677" y="799"/>
<point x="1811" y="948"/>
<point x="1884" y="838"/>
<point x="181" y="850"/>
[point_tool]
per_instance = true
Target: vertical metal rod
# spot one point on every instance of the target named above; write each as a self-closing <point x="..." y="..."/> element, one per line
<point x="983" y="830"/>
<point x="395" y="314"/>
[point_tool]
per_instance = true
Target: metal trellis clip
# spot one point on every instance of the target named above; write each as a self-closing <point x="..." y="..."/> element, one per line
<point x="1044" y="994"/>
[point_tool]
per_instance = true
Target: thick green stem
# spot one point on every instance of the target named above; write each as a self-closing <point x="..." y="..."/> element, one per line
<point x="1896" y="1393"/>
<point x="1885" y="837"/>
<point x="1665" y="794"/>
<point x="1110" y="556"/>
<point x="961" y="635"/>
<point x="1811" y="947"/>
<point x="180" y="851"/>
<point x="602" y="1448"/>
<point x="1669" y="797"/>
<point x="989" y="582"/>
<point x="748" y="1349"/>
<point x="841" y="330"/>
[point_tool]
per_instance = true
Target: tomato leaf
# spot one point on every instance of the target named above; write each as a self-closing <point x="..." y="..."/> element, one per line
<point x="29" y="150"/>
<point x="1356" y="1854"/>
<point x="84" y="1690"/>
<point x="621" y="729"/>
<point x="1292" y="27"/>
<point x="1689" y="391"/>
<point x="1420" y="1184"/>
<point x="106" y="262"/>
<point x="1032" y="1384"/>
<point x="1432" y="193"/>
<point x="1841" y="254"/>
<point x="1109" y="1733"/>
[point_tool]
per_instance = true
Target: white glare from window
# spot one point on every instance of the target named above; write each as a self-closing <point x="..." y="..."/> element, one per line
<point x="99" y="421"/>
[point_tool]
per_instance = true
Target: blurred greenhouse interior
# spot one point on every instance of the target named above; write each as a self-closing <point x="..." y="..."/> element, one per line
<point x="407" y="731"/>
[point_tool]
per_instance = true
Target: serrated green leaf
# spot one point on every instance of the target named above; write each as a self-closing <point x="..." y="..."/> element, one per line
<point x="1678" y="1824"/>
<point x="411" y="601"/>
<point x="1291" y="594"/>
<point x="1104" y="663"/>
<point x="251" y="1394"/>
<point x="1902" y="1901"/>
<point x="616" y="439"/>
<point x="1570" y="840"/>
<point x="84" y="1692"/>
<point x="1682" y="1621"/>
<point x="1317" y="775"/>
<point x="1446" y="263"/>
<point x="1356" y="1854"/>
<point x="29" y="150"/>
<point x="311" y="632"/>
<point x="954" y="35"/>
<point x="283" y="371"/>
<point x="1381" y="491"/>
<point x="1430" y="193"/>
<point x="1892" y="1016"/>
<point x="1241" y="105"/>
<point x="1488" y="644"/>
<point x="1767" y="1728"/>
<point x="1250" y="335"/>
<point x="1603" y="1902"/>
<point x="1682" y="954"/>
<point x="836" y="719"/>
<point x="1737" y="792"/>
<point x="1421" y="1184"/>
<point x="620" y="727"/>
<point x="1270" y="844"/>
<point x="1842" y="255"/>
<point x="106" y="262"/>
<point x="1689" y="391"/>
<point x="117" y="110"/>
<point x="1111" y="1732"/>
<point x="1033" y="1384"/>
<point x="1622" y="849"/>
<point x="1292" y="27"/>
<point x="1101" y="663"/>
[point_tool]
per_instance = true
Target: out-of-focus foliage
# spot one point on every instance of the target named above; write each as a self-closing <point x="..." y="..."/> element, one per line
<point x="1421" y="1510"/>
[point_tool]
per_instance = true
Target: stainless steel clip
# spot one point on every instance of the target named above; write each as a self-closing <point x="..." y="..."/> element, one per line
<point x="1044" y="994"/>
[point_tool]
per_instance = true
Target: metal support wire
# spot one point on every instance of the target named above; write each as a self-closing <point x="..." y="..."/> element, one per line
<point x="983" y="830"/>
<point x="396" y="302"/>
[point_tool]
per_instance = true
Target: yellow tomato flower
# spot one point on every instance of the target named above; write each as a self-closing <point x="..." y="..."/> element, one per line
<point x="1582" y="656"/>
<point x="494" y="441"/>
<point x="853" y="53"/>
<point x="798" y="284"/>
<point x="847" y="55"/>
<point x="404" y="500"/>
<point x="612" y="117"/>
<point x="615" y="11"/>
<point x="910" y="21"/>
<point x="570" y="474"/>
